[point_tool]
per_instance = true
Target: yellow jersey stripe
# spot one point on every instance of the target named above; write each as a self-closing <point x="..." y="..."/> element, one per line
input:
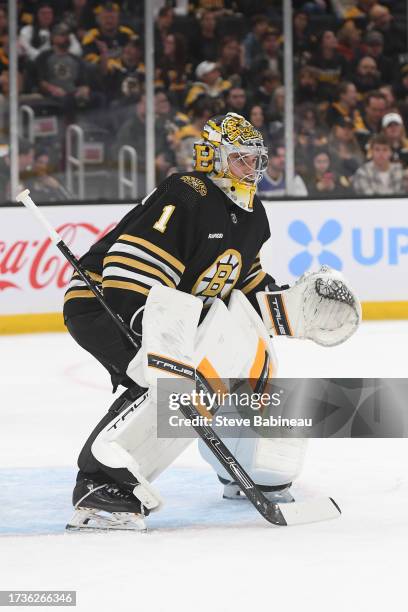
<point x="129" y="286"/>
<point x="93" y="275"/>
<point x="78" y="294"/>
<point x="254" y="282"/>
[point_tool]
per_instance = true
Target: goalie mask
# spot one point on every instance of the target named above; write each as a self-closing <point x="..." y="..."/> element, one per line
<point x="232" y="153"/>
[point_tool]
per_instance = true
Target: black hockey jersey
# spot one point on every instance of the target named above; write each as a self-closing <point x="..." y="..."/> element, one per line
<point x="187" y="235"/>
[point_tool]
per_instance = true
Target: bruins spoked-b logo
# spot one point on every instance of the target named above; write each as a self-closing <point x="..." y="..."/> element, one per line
<point x="219" y="279"/>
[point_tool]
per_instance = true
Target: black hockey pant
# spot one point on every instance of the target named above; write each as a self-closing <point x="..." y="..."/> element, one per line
<point x="98" y="334"/>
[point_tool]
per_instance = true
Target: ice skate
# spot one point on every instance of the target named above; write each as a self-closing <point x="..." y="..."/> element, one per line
<point x="278" y="495"/>
<point x="105" y="507"/>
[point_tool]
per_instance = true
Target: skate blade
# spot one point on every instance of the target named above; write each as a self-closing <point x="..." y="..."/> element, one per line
<point x="91" y="520"/>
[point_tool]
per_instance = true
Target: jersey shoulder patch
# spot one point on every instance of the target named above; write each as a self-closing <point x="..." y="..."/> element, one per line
<point x="185" y="188"/>
<point x="196" y="183"/>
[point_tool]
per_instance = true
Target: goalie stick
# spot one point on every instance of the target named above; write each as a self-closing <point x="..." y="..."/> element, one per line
<point x="277" y="514"/>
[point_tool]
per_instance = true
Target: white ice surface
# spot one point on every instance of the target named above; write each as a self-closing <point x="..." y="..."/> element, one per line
<point x="202" y="553"/>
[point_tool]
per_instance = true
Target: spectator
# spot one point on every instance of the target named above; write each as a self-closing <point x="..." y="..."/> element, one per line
<point x="236" y="101"/>
<point x="330" y="64"/>
<point x="133" y="133"/>
<point x="36" y="38"/>
<point x="311" y="137"/>
<point x="273" y="183"/>
<point x="3" y="28"/>
<point x="162" y="27"/>
<point x="125" y="77"/>
<point x="374" y="47"/>
<point x="25" y="165"/>
<point x="345" y="106"/>
<point x="270" y="58"/>
<point x="209" y="82"/>
<point x="375" y="107"/>
<point x="344" y="147"/>
<point x="44" y="187"/>
<point x="394" y="131"/>
<point x="277" y="111"/>
<point x="308" y="86"/>
<point x="204" y="44"/>
<point x="4" y="71"/>
<point x="349" y="41"/>
<point x="174" y="71"/>
<point x="325" y="179"/>
<point x="401" y="84"/>
<point x="163" y="116"/>
<point x="355" y="9"/>
<point x="269" y="81"/>
<point x="80" y="17"/>
<point x="388" y="93"/>
<point x="183" y="138"/>
<point x="62" y="76"/>
<point x="256" y="116"/>
<point x="253" y="40"/>
<point x="301" y="37"/>
<point x="380" y="19"/>
<point x="379" y="176"/>
<point x="367" y="76"/>
<point x="103" y="45"/>
<point x="221" y="8"/>
<point x="230" y="61"/>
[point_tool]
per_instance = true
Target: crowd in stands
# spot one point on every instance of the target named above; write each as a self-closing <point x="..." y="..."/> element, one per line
<point x="82" y="61"/>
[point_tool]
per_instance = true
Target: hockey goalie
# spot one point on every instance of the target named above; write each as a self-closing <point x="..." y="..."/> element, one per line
<point x="183" y="270"/>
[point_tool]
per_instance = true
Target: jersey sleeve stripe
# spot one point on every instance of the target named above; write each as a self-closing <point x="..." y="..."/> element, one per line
<point x="78" y="294"/>
<point x="120" y="248"/>
<point x="93" y="275"/>
<point x="134" y="263"/>
<point x="249" y="276"/>
<point x="255" y="266"/>
<point x="254" y="282"/>
<point x="176" y="263"/>
<point x="116" y="284"/>
<point x="129" y="274"/>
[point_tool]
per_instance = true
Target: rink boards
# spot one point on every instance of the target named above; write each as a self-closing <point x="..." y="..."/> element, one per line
<point x="366" y="239"/>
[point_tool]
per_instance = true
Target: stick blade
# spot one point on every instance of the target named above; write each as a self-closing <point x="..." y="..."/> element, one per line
<point x="313" y="511"/>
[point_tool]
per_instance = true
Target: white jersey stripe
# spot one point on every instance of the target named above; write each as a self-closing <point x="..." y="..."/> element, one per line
<point x="119" y="247"/>
<point x="127" y="274"/>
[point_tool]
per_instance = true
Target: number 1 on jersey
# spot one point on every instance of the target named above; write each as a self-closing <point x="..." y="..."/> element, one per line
<point x="161" y="224"/>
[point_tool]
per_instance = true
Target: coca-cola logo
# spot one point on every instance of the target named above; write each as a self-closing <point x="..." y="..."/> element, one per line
<point x="40" y="263"/>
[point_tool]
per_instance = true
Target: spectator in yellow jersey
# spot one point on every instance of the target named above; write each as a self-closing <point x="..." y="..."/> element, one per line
<point x="209" y="82"/>
<point x="103" y="45"/>
<point x="125" y="77"/>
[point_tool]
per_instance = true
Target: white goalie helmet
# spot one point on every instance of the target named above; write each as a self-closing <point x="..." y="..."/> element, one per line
<point x="232" y="152"/>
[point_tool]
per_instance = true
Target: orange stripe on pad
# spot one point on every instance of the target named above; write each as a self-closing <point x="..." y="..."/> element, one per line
<point x="259" y="361"/>
<point x="211" y="375"/>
